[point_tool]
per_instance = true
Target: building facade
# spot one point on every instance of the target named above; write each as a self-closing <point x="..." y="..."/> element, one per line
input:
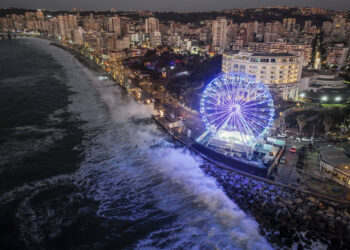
<point x="151" y="25"/>
<point x="304" y="50"/>
<point x="336" y="55"/>
<point x="281" y="72"/>
<point x="335" y="165"/>
<point x="220" y="34"/>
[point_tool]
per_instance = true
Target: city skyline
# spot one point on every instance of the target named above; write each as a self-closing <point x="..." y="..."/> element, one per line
<point x="178" y="6"/>
<point x="214" y="129"/>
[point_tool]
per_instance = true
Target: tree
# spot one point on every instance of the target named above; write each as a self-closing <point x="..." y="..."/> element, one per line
<point x="302" y="121"/>
<point x="327" y="123"/>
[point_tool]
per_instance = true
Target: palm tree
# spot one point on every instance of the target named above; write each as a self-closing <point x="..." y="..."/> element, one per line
<point x="302" y="121"/>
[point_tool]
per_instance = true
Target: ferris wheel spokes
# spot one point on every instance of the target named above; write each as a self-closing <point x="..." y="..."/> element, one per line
<point x="238" y="105"/>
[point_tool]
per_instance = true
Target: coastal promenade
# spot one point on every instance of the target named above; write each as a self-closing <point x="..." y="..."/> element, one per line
<point x="287" y="216"/>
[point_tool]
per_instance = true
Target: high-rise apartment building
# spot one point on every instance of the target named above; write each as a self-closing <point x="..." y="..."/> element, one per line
<point x="220" y="33"/>
<point x="63" y="26"/>
<point x="117" y="25"/>
<point x="151" y="25"/>
<point x="78" y="35"/>
<point x="156" y="39"/>
<point x="336" y="55"/>
<point x="289" y="24"/>
<point x="72" y="21"/>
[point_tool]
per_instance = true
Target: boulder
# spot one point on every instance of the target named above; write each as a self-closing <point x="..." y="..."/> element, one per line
<point x="299" y="201"/>
<point x="312" y="199"/>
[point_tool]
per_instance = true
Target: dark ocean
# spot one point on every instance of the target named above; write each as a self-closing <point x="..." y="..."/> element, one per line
<point x="77" y="170"/>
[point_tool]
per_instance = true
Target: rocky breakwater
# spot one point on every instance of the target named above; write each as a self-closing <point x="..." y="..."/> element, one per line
<point x="287" y="218"/>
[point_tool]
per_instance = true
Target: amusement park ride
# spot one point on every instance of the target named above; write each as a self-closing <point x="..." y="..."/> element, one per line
<point x="237" y="111"/>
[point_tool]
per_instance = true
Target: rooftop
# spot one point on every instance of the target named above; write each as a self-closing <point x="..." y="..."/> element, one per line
<point x="337" y="158"/>
<point x="272" y="54"/>
<point x="250" y="53"/>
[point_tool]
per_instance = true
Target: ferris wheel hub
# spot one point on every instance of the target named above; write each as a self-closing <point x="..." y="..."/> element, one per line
<point x="235" y="109"/>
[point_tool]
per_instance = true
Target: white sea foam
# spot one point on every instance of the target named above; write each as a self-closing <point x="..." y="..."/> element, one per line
<point x="130" y="181"/>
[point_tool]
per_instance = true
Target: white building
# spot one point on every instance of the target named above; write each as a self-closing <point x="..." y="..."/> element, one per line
<point x="151" y="25"/>
<point x="78" y="35"/>
<point x="279" y="71"/>
<point x="315" y="81"/>
<point x="156" y="39"/>
<point x="63" y="26"/>
<point x="220" y="34"/>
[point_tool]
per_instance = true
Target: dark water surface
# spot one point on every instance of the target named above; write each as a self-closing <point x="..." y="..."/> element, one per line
<point x="77" y="170"/>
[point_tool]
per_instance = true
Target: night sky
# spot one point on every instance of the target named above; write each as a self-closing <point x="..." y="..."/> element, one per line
<point x="174" y="5"/>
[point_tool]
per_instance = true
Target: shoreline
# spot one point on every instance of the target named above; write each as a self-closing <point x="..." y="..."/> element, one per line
<point x="93" y="66"/>
<point x="280" y="212"/>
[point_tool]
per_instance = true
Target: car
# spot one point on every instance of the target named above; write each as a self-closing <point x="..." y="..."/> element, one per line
<point x="293" y="149"/>
<point x="306" y="139"/>
<point x="266" y="162"/>
<point x="283" y="160"/>
<point x="282" y="136"/>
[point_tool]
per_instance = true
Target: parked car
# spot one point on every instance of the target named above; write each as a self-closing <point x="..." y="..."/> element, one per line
<point x="293" y="149"/>
<point x="283" y="160"/>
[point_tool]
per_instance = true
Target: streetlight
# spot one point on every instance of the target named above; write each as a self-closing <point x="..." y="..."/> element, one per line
<point x="338" y="99"/>
<point x="324" y="98"/>
<point x="302" y="95"/>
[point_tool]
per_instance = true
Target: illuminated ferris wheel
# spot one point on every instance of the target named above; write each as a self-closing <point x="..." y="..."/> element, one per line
<point x="237" y="108"/>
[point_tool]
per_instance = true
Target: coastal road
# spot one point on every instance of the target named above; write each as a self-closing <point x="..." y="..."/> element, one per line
<point x="287" y="172"/>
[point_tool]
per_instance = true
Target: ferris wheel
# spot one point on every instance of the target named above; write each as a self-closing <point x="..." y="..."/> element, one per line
<point x="236" y="107"/>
